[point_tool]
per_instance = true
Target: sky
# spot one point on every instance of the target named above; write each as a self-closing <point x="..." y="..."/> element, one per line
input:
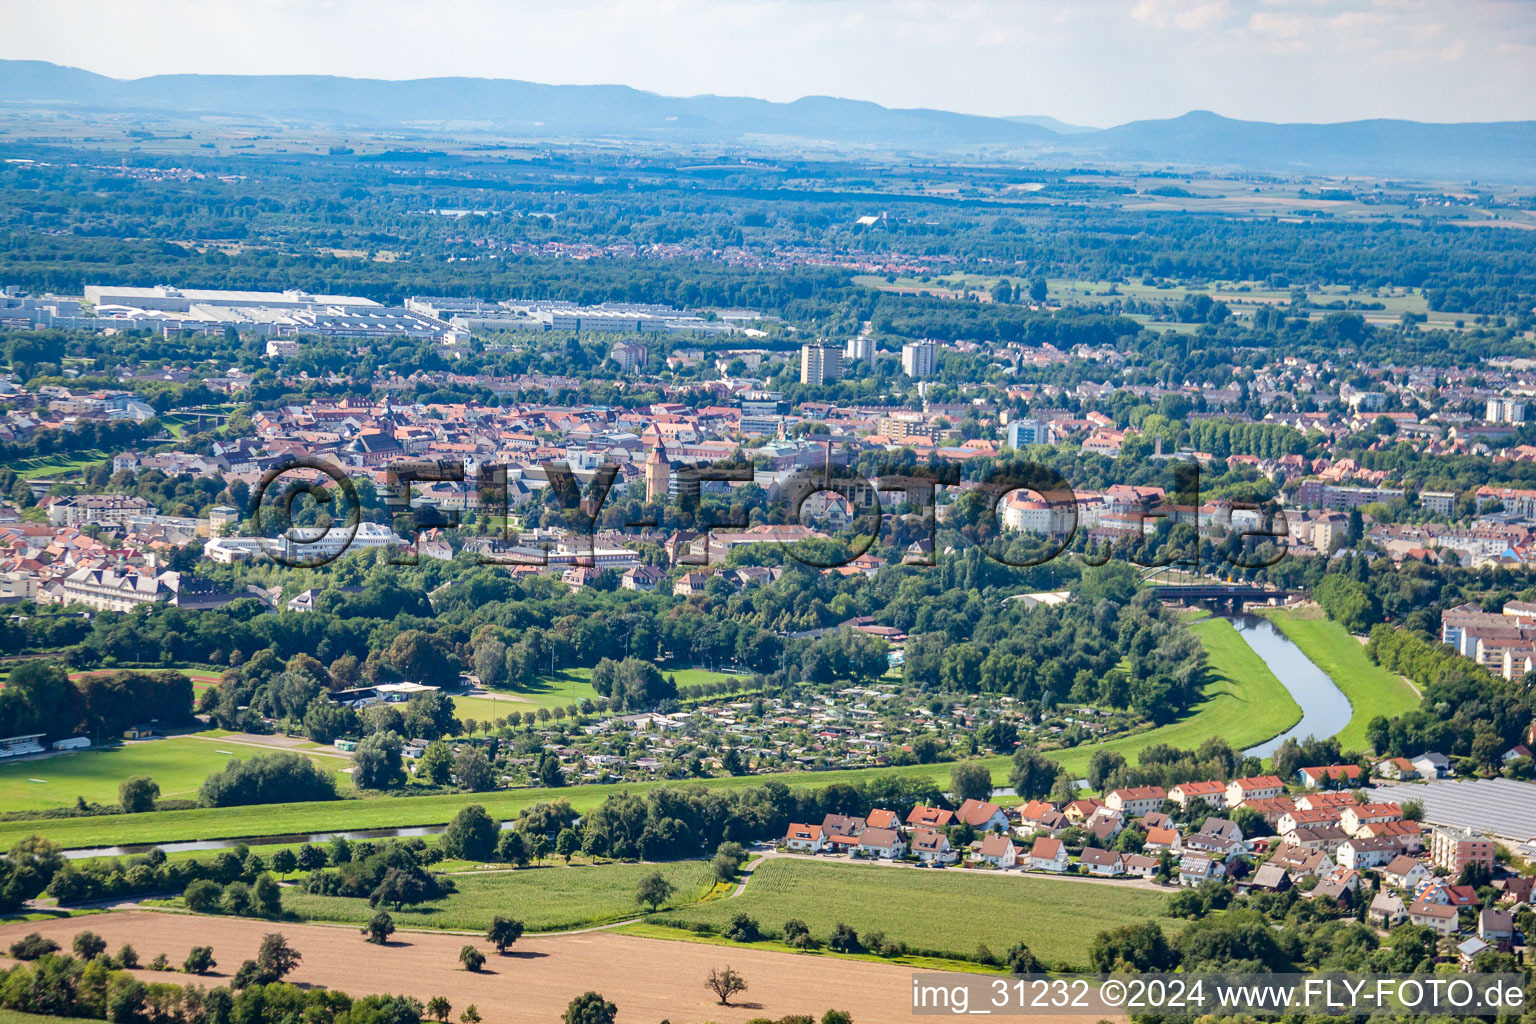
<point x="1093" y="62"/>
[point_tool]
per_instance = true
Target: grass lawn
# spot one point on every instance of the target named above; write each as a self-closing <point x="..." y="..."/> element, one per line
<point x="569" y="686"/>
<point x="937" y="911"/>
<point x="60" y="464"/>
<point x="1244" y="703"/>
<point x="1371" y="689"/>
<point x="548" y="898"/>
<point x="12" y="1017"/>
<point x="178" y="763"/>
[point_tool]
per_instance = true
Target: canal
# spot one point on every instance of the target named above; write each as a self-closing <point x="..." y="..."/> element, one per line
<point x="1324" y="708"/>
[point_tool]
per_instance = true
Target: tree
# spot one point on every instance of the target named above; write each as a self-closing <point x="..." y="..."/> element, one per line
<point x="89" y="945"/>
<point x="567" y="843"/>
<point x="436" y="763"/>
<point x="513" y="848"/>
<point x="1038" y="289"/>
<point x="276" y="959"/>
<point x="202" y="896"/>
<point x="549" y="772"/>
<point x="284" y="862"/>
<point x="377" y="764"/>
<point x="724" y="983"/>
<point x="844" y="939"/>
<point x="590" y="1008"/>
<point x="472" y="959"/>
<point x="267" y="896"/>
<point x="654" y="890"/>
<point x="1020" y="960"/>
<point x="475" y="771"/>
<point x="970" y="780"/>
<point x="742" y="928"/>
<point x="503" y="932"/>
<point x="311" y="857"/>
<point x="1413" y="810"/>
<point x="1141" y="947"/>
<point x="470" y="1015"/>
<point x="471" y="835"/>
<point x="401" y="886"/>
<point x="199" y="960"/>
<point x="1033" y="773"/>
<point x="438" y="1008"/>
<point x="137" y="794"/>
<point x="379" y="928"/>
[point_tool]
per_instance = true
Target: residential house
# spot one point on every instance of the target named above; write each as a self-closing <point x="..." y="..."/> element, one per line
<point x="1387" y="910"/>
<point x="1496" y="927"/>
<point x="1271" y="809"/>
<point x="804" y="838"/>
<point x="1270" y="877"/>
<point x="983" y="816"/>
<point x="1432" y="765"/>
<point x="1196" y="869"/>
<point x="1359" y="854"/>
<point x="1213" y="793"/>
<point x="1330" y="775"/>
<point x="1399" y="768"/>
<point x="1107" y="863"/>
<point x="1354" y="817"/>
<point x="1404" y="872"/>
<point x="883" y="843"/>
<point x="1433" y="915"/>
<point x="1303" y="818"/>
<point x="1048" y="855"/>
<point x="932" y="846"/>
<point x="1160" y="839"/>
<point x="1223" y="827"/>
<point x="930" y="817"/>
<point x="1136" y="800"/>
<point x="1139" y="864"/>
<point x="879" y="818"/>
<point x="1040" y="816"/>
<point x="1322" y="837"/>
<point x="1078" y="811"/>
<point x="998" y="851"/>
<point x="1258" y="787"/>
<point x="1301" y="861"/>
<point x="1467" y="952"/>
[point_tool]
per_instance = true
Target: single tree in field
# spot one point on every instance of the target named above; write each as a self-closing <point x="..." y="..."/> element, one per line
<point x="89" y="945"/>
<point x="503" y="932"/>
<point x="284" y="862"/>
<point x="471" y="958"/>
<point x="567" y="843"/>
<point x="590" y="1008"/>
<point x="380" y="928"/>
<point x="470" y="1015"/>
<point x="724" y="983"/>
<point x="276" y="959"/>
<point x="199" y="960"/>
<point x="137" y="794"/>
<point x="438" y="1009"/>
<point x="654" y="890"/>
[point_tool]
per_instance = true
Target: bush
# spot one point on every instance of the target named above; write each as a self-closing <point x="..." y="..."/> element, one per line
<point x="267" y="779"/>
<point x="89" y="945"/>
<point x="199" y="960"/>
<point x="471" y="958"/>
<point x="742" y="929"/>
<point x="31" y="946"/>
<point x="203" y="896"/>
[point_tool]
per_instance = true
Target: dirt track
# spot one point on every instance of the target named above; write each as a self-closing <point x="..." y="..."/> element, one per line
<point x="649" y="979"/>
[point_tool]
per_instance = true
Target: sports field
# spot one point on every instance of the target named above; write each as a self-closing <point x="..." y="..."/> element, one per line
<point x="939" y="911"/>
<point x="550" y="897"/>
<point x="178" y="763"/>
<point x="1371" y="689"/>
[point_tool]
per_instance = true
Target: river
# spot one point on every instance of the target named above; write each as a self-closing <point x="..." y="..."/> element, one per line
<point x="1324" y="708"/>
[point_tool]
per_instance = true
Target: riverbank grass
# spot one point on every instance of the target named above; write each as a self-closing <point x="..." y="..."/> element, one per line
<point x="1371" y="689"/>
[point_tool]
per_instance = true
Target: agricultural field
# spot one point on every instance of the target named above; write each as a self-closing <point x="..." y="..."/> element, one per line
<point x="1371" y="689"/>
<point x="550" y="897"/>
<point x="1056" y="918"/>
<point x="179" y="764"/>
<point x="650" y="980"/>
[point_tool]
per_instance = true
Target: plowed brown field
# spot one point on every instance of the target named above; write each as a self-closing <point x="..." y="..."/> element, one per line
<point x="650" y="979"/>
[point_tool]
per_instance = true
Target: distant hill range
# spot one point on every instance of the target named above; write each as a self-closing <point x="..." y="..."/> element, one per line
<point x="1497" y="151"/>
